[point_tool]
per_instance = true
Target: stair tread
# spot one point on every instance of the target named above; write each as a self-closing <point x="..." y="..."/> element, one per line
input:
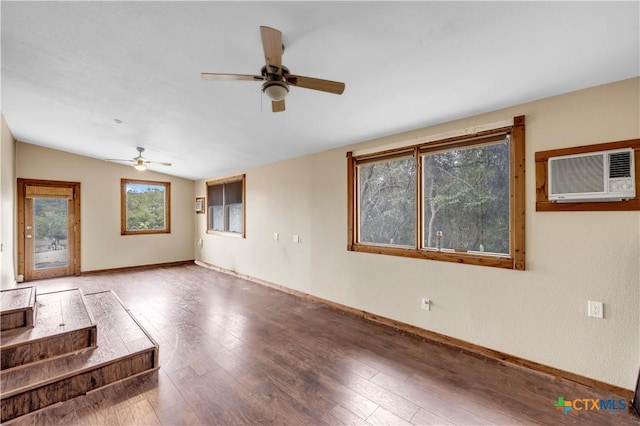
<point x="58" y="312"/>
<point x="119" y="336"/>
<point x="16" y="299"/>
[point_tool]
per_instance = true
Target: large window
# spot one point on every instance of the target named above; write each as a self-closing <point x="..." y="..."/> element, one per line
<point x="145" y="207"/>
<point x="225" y="206"/>
<point x="460" y="199"/>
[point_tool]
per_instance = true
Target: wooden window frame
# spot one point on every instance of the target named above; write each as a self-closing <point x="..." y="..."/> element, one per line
<point x="238" y="178"/>
<point x="514" y="260"/>
<point x="542" y="188"/>
<point x="123" y="207"/>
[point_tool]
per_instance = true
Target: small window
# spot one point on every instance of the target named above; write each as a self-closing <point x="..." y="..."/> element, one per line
<point x="225" y="206"/>
<point x="145" y="207"/>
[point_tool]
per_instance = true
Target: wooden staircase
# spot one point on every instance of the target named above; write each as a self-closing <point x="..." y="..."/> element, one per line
<point x="51" y="350"/>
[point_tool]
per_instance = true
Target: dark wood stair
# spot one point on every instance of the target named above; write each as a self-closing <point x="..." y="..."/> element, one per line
<point x="17" y="308"/>
<point x="63" y="325"/>
<point x="120" y="350"/>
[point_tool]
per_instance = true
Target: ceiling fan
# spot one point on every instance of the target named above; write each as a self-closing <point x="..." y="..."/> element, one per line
<point x="276" y="76"/>
<point x="139" y="162"/>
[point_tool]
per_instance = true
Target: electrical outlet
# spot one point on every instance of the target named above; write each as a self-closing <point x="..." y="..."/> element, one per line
<point x="595" y="309"/>
<point x="425" y="304"/>
<point x="296" y="238"/>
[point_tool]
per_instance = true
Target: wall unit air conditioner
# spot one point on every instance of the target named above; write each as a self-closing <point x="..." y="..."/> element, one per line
<point x="594" y="176"/>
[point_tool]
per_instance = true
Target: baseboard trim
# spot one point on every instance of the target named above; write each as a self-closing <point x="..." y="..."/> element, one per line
<point x="437" y="337"/>
<point x="139" y="267"/>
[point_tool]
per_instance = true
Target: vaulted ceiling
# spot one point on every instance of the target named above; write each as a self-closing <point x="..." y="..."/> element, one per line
<point x="101" y="78"/>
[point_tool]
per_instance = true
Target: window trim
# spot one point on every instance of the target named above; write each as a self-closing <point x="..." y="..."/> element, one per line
<point x="514" y="260"/>
<point x="238" y="178"/>
<point x="123" y="207"/>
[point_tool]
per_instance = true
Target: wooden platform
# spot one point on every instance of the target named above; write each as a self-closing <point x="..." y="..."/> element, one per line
<point x="63" y="325"/>
<point x="17" y="308"/>
<point x="124" y="349"/>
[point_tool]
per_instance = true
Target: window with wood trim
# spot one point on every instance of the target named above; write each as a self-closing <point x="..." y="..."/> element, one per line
<point x="459" y="199"/>
<point x="145" y="207"/>
<point x="225" y="206"/>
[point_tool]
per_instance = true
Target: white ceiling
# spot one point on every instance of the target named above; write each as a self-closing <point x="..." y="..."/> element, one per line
<point x="69" y="69"/>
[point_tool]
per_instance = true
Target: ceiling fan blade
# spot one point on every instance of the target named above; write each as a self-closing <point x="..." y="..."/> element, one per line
<point x="277" y="106"/>
<point x="117" y="160"/>
<point x="316" y="84"/>
<point x="272" y="46"/>
<point x="231" y="77"/>
<point x="157" y="162"/>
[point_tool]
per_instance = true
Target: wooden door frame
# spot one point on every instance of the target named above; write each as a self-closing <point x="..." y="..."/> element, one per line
<point x="22" y="185"/>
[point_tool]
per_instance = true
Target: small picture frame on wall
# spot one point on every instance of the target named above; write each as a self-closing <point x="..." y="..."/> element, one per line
<point x="200" y="205"/>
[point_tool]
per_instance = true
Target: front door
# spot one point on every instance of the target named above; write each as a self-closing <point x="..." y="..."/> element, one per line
<point x="49" y="240"/>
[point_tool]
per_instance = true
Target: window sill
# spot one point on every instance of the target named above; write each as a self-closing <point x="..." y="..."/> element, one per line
<point x="146" y="232"/>
<point x="226" y="233"/>
<point x="468" y="258"/>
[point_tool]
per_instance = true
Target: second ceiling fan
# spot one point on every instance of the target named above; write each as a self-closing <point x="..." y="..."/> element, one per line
<point x="276" y="77"/>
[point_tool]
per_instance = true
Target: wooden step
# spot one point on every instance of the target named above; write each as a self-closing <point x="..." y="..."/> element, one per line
<point x="124" y="350"/>
<point x="63" y="325"/>
<point x="17" y="308"/>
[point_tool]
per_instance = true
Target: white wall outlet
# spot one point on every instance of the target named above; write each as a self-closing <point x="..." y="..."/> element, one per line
<point x="595" y="309"/>
<point x="275" y="236"/>
<point x="296" y="238"/>
<point x="425" y="304"/>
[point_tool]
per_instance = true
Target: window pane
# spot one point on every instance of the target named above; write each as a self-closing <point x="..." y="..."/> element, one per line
<point x="387" y="194"/>
<point x="233" y="193"/>
<point x="235" y="218"/>
<point x="466" y="199"/>
<point x="145" y="206"/>
<point x="50" y="222"/>
<point x="216" y="213"/>
<point x="215" y="195"/>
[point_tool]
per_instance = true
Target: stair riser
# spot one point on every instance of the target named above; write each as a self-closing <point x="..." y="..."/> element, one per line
<point x="60" y="344"/>
<point x="17" y="308"/>
<point x="66" y="388"/>
<point x="23" y="318"/>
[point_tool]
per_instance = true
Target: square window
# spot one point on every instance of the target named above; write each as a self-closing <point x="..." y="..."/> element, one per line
<point x="145" y="207"/>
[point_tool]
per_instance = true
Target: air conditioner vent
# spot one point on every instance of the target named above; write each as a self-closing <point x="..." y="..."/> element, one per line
<point x="578" y="174"/>
<point x="619" y="165"/>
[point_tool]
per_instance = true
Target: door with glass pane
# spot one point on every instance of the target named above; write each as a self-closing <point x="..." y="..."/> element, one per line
<point x="48" y="238"/>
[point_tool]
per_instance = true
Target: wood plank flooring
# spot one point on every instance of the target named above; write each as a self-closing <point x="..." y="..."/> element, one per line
<point x="235" y="352"/>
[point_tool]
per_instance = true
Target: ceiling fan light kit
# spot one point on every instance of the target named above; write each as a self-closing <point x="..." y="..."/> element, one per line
<point x="140" y="166"/>
<point x="275" y="90"/>
<point x="276" y="76"/>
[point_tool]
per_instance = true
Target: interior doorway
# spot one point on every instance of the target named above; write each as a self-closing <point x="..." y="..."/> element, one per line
<point x="48" y="229"/>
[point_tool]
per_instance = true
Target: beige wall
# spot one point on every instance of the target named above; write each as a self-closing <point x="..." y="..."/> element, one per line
<point x="102" y="245"/>
<point x="7" y="207"/>
<point x="539" y="314"/>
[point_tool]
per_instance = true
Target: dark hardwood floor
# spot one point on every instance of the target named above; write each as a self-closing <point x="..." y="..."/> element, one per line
<point x="235" y="352"/>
